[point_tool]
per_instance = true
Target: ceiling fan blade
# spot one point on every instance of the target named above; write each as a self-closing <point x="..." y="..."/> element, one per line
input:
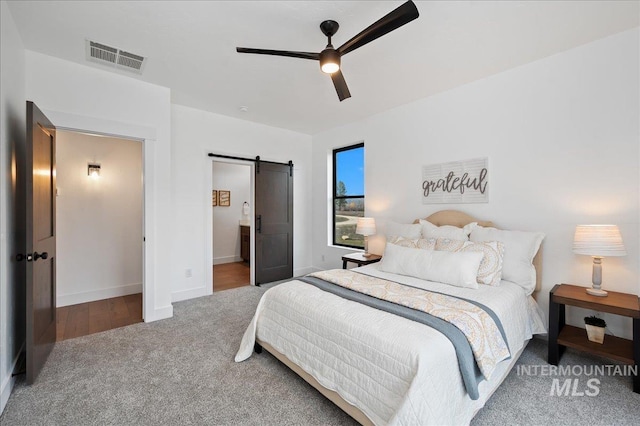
<point x="303" y="55"/>
<point x="393" y="20"/>
<point x="341" y="85"/>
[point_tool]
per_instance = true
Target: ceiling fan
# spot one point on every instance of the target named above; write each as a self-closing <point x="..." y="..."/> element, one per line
<point x="330" y="57"/>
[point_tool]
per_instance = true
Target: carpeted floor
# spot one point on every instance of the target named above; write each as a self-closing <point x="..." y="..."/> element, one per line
<point x="524" y="399"/>
<point x="180" y="371"/>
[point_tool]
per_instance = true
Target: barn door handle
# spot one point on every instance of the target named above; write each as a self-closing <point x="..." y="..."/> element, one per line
<point x="42" y="255"/>
<point x="259" y="226"/>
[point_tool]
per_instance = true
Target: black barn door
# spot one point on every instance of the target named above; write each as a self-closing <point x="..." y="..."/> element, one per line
<point x="274" y="222"/>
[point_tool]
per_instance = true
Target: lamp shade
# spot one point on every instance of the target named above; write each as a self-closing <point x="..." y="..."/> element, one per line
<point x="598" y="240"/>
<point x="366" y="226"/>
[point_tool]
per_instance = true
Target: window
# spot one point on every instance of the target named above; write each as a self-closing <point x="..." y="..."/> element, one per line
<point x="348" y="195"/>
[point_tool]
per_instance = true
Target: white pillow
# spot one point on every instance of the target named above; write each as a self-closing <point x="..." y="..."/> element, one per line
<point x="409" y="231"/>
<point x="424" y="244"/>
<point x="490" y="271"/>
<point x="458" y="269"/>
<point x="520" y="248"/>
<point x="429" y="230"/>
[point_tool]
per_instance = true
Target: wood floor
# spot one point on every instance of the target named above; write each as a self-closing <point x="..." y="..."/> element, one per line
<point x="101" y="315"/>
<point x="231" y="275"/>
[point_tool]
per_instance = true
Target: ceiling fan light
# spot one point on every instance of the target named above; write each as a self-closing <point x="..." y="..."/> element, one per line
<point x="330" y="67"/>
<point x="329" y="60"/>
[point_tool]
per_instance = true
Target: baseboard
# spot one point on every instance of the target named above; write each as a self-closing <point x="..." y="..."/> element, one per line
<point x="160" y="314"/>
<point x="8" y="382"/>
<point x="226" y="259"/>
<point x="191" y="293"/>
<point x="90" y="296"/>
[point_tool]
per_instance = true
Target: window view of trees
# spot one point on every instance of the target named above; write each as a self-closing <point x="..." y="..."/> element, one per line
<point x="348" y="206"/>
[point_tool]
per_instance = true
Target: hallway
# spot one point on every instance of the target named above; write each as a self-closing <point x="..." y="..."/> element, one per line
<point x="93" y="317"/>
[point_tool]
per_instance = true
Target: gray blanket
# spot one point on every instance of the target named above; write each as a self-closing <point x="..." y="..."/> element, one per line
<point x="471" y="374"/>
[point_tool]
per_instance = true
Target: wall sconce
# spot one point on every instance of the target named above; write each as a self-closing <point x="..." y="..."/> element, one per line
<point x="366" y="226"/>
<point x="93" y="170"/>
<point x="598" y="241"/>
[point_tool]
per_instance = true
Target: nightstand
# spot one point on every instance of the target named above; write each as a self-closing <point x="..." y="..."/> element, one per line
<point x="359" y="259"/>
<point x="562" y="336"/>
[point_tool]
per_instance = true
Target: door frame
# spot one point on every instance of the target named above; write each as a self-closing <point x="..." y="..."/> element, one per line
<point x="146" y="136"/>
<point x="208" y="226"/>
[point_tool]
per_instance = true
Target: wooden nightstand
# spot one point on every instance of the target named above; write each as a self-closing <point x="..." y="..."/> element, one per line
<point x="359" y="259"/>
<point x="562" y="336"/>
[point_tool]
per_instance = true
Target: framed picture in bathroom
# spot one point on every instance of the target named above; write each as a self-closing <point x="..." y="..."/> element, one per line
<point x="224" y="198"/>
<point x="214" y="198"/>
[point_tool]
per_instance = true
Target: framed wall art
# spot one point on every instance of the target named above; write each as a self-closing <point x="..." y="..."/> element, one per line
<point x="456" y="182"/>
<point x="224" y="198"/>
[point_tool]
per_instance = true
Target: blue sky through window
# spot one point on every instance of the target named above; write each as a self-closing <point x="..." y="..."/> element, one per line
<point x="350" y="170"/>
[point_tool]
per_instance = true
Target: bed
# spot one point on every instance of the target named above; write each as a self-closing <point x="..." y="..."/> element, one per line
<point x="382" y="368"/>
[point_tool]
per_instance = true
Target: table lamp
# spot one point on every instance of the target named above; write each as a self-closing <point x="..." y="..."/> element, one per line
<point x="598" y="241"/>
<point x="366" y="226"/>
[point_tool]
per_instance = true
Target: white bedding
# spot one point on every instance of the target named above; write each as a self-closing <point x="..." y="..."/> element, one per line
<point x="394" y="370"/>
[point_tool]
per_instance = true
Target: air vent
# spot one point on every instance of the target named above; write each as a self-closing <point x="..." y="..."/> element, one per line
<point x="130" y="60"/>
<point x="114" y="57"/>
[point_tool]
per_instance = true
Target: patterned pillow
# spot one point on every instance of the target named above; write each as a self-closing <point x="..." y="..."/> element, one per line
<point x="490" y="271"/>
<point x="520" y="248"/>
<point x="425" y="244"/>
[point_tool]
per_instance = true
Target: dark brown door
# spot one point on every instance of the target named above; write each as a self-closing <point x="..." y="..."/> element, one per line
<point x="274" y="222"/>
<point x="41" y="240"/>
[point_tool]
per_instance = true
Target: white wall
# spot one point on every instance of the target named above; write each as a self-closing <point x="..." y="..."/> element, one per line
<point x="72" y="93"/>
<point x="562" y="137"/>
<point x="196" y="133"/>
<point x="226" y="229"/>
<point x="12" y="150"/>
<point x="98" y="221"/>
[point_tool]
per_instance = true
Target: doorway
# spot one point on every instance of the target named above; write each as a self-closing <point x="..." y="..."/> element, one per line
<point x="232" y="198"/>
<point x="271" y="229"/>
<point x="99" y="219"/>
<point x="39" y="224"/>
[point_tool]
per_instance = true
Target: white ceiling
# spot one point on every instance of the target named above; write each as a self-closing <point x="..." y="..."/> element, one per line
<point x="191" y="48"/>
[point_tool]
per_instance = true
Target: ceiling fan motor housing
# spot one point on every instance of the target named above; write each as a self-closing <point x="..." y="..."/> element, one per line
<point x="329" y="60"/>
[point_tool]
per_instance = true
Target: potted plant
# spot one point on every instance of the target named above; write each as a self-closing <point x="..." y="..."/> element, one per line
<point x="595" y="328"/>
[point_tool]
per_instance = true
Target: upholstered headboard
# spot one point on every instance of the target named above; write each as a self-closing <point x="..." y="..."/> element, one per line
<point x="460" y="219"/>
